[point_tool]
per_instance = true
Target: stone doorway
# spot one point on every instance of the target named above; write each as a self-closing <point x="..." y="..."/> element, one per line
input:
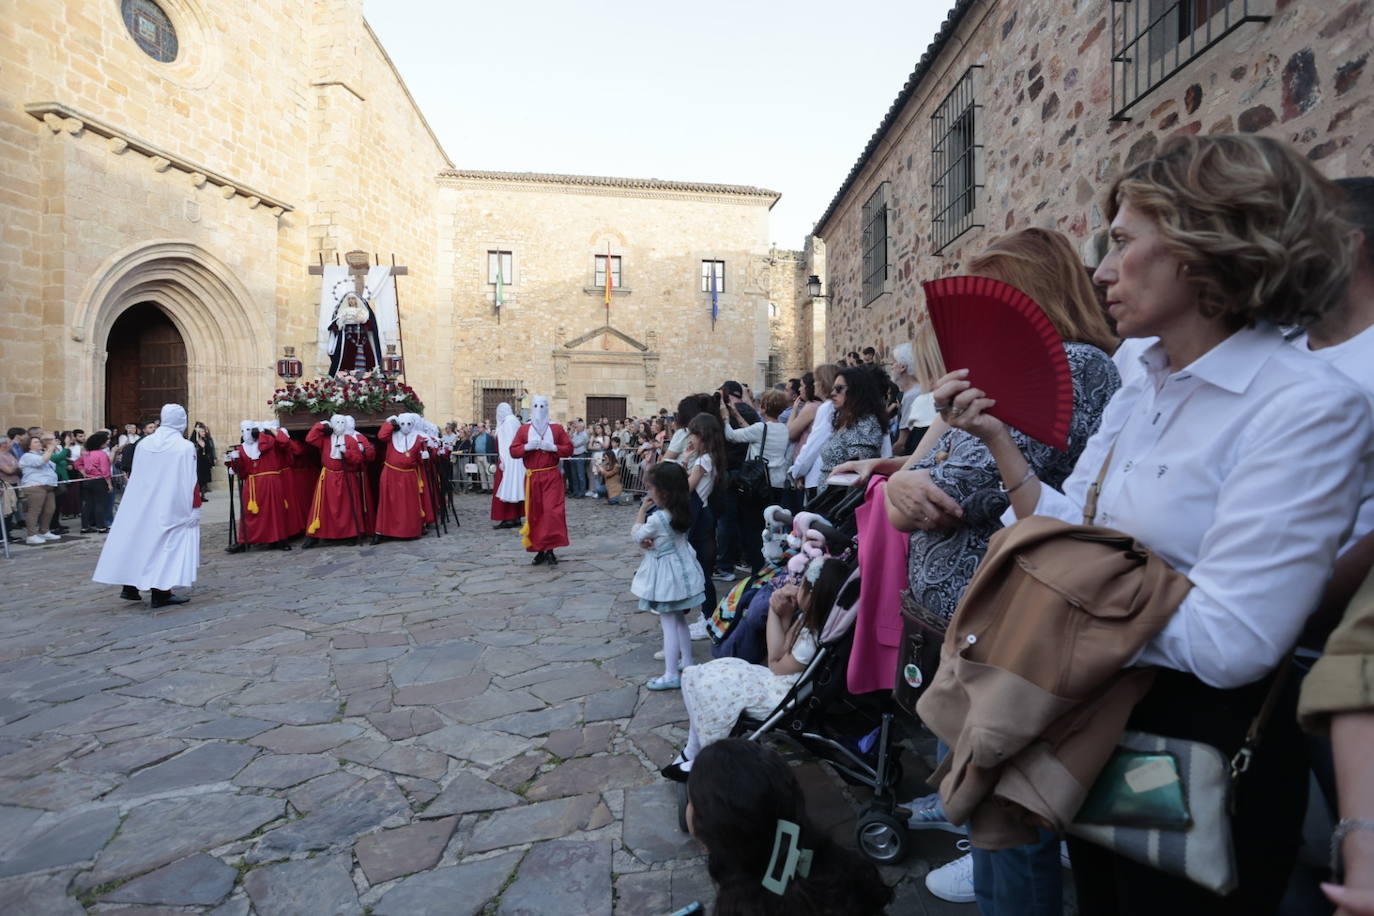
<point x="145" y="366"/>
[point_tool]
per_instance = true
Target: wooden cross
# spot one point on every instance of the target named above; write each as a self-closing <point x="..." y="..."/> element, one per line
<point x="357" y="269"/>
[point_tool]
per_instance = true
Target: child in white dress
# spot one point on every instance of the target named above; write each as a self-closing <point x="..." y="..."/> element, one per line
<point x="669" y="581"/>
<point x="717" y="692"/>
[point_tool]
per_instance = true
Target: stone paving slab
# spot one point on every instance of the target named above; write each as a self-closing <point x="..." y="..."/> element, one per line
<point x="436" y="727"/>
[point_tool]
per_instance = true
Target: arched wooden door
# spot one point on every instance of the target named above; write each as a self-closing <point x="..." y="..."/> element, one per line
<point x="145" y="366"/>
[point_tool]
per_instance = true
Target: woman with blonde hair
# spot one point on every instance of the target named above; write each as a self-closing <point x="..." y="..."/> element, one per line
<point x="948" y="495"/>
<point x="1235" y="457"/>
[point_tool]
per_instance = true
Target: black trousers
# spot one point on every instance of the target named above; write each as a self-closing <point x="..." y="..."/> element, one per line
<point x="702" y="537"/>
<point x="1269" y="803"/>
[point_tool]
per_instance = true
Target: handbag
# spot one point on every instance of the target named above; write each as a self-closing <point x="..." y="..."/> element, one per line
<point x="753" y="480"/>
<point x="1166" y="802"/>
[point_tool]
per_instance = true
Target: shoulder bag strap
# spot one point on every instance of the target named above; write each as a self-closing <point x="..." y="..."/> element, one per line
<point x="1241" y="762"/>
<point x="1095" y="489"/>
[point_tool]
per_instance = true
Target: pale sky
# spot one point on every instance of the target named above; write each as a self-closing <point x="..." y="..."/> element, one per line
<point x="779" y="95"/>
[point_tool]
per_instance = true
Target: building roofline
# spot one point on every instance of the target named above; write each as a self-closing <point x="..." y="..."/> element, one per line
<point x="937" y="44"/>
<point x="603" y="181"/>
<point x="406" y="89"/>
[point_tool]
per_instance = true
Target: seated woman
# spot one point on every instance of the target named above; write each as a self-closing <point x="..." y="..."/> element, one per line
<point x="607" y="471"/>
<point x="748" y="810"/>
<point x="717" y="692"/>
<point x="1216" y="242"/>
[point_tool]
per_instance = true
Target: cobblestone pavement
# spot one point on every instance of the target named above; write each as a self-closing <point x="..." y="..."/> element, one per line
<point x="422" y="727"/>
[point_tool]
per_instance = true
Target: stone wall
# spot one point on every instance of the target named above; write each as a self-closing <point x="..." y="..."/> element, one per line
<point x="207" y="185"/>
<point x="1050" y="147"/>
<point x="547" y="335"/>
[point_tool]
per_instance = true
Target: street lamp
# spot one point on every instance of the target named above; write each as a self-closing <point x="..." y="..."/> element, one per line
<point x="289" y="367"/>
<point x="813" y="286"/>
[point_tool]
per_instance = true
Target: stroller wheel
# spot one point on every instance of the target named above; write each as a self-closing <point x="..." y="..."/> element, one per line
<point x="682" y="806"/>
<point x="881" y="837"/>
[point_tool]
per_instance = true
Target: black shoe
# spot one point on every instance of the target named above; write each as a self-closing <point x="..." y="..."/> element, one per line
<point x="282" y="545"/>
<point x="60" y="529"/>
<point x="376" y="539"/>
<point x="540" y="558"/>
<point x="674" y="772"/>
<point x="553" y="559"/>
<point x="164" y="598"/>
<point x="309" y="543"/>
<point x="237" y="548"/>
<point x="129" y="593"/>
<point x="87" y="530"/>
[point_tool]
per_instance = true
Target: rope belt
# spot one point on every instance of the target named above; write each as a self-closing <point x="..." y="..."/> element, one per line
<point x="525" y="528"/>
<point x="418" y="480"/>
<point x="253" y="491"/>
<point x="315" y="519"/>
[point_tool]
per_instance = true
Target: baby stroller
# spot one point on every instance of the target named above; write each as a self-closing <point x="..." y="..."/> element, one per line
<point x="854" y="734"/>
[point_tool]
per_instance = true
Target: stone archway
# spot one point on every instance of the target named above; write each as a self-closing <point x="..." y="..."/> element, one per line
<point x="227" y="338"/>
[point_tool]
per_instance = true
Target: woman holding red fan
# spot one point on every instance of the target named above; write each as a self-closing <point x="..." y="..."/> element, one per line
<point x="1237" y="458"/>
<point x="949" y="495"/>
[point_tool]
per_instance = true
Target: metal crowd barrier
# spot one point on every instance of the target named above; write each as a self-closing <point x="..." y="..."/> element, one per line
<point x="474" y="473"/>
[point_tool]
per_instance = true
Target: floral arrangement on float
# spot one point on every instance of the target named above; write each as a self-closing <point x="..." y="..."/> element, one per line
<point x="367" y="396"/>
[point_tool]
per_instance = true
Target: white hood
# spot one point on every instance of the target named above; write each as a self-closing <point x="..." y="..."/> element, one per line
<point x="172" y="425"/>
<point x="539" y="413"/>
<point x="339" y="426"/>
<point x="249" y="440"/>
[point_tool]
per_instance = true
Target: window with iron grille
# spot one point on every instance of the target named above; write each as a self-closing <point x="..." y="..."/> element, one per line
<point x="1154" y="39"/>
<point x="151" y="29"/>
<point x="489" y="392"/>
<point x="955" y="163"/>
<point x="605" y="409"/>
<point x="499" y="263"/>
<point x="875" y="244"/>
<point x="600" y="279"/>
<point x="712" y="270"/>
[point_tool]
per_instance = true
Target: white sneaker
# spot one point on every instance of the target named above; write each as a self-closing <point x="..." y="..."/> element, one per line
<point x="49" y="536"/>
<point x="953" y="881"/>
<point x="658" y="656"/>
<point x="35" y="540"/>
<point x="698" y="629"/>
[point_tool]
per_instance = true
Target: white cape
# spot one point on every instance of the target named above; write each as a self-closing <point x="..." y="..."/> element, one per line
<point x="512" y="469"/>
<point x="155" y="539"/>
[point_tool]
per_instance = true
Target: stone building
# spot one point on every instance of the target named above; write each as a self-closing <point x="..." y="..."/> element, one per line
<point x="173" y="169"/>
<point x="549" y="237"/>
<point x="1019" y="114"/>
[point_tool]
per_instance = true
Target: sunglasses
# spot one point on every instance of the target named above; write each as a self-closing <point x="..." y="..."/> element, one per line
<point x="839" y="389"/>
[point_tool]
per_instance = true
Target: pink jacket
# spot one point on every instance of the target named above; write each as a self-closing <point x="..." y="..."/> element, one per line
<point x="93" y="463"/>
<point x="878" y="629"/>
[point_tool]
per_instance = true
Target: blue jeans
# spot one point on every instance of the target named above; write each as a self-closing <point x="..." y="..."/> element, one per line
<point x="578" y="468"/>
<point x="1021" y="881"/>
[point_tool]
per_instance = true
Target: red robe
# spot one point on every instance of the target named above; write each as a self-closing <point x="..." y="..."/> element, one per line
<point x="546" y="526"/>
<point x="265" y="493"/>
<point x="336" y="507"/>
<point x="502" y="511"/>
<point x="362" y="476"/>
<point x="403" y="505"/>
<point x="302" y="475"/>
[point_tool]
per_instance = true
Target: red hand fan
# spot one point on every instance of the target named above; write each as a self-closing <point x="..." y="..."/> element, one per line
<point x="1011" y="350"/>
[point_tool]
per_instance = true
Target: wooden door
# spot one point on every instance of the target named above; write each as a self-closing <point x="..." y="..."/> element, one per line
<point x="145" y="366"/>
<point x="608" y="409"/>
<point x="491" y="397"/>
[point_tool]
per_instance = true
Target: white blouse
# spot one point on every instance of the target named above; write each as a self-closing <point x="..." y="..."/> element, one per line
<point x="1244" y="471"/>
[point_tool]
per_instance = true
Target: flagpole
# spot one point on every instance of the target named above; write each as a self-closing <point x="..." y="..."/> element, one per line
<point x="610" y="282"/>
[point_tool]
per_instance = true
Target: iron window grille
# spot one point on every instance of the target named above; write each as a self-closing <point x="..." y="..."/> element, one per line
<point x="499" y="262"/>
<point x="956" y="164"/>
<point x="1154" y="39"/>
<point x="600" y="279"/>
<point x="875" y="244"/>
<point x="709" y="269"/>
<point x="488" y="392"/>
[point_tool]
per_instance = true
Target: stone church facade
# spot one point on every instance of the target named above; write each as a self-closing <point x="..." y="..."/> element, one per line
<point x="1020" y="113"/>
<point x="173" y="169"/>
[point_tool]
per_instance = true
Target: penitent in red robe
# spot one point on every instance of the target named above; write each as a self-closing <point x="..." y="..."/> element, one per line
<point x="303" y="473"/>
<point x="265" y="493"/>
<point x="546" y="526"/>
<point x="502" y="511"/>
<point x="402" y="494"/>
<point x="336" y="506"/>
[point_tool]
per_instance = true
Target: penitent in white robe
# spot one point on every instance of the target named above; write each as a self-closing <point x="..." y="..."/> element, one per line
<point x="155" y="539"/>
<point x="512" y="469"/>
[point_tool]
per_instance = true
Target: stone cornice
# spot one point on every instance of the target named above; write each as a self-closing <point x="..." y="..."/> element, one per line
<point x="609" y="186"/>
<point x="59" y="117"/>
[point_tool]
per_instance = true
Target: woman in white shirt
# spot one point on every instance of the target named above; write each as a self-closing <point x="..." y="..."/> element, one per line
<point x="1237" y="458"/>
<point x="768" y="438"/>
<point x="811" y="428"/>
